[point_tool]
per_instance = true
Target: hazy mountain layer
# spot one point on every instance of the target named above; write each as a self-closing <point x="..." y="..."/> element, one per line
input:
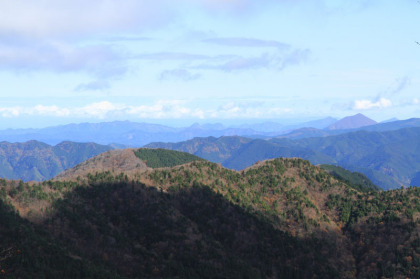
<point x="131" y="134"/>
<point x="308" y="132"/>
<point x="122" y="133"/>
<point x="352" y="122"/>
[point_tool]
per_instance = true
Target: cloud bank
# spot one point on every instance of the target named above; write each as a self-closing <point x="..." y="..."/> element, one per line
<point x="367" y="104"/>
<point x="163" y="109"/>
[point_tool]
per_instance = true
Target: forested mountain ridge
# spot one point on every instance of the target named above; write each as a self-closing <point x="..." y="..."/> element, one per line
<point x="213" y="149"/>
<point x="113" y="161"/>
<point x="129" y="161"/>
<point x="389" y="159"/>
<point x="282" y="218"/>
<point x="357" y="180"/>
<point x="34" y="160"/>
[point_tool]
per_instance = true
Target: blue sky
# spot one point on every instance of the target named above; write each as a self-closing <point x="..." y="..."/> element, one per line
<point x="185" y="61"/>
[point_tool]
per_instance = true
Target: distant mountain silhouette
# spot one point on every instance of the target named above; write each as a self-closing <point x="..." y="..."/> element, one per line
<point x="379" y="127"/>
<point x="352" y="122"/>
<point x="124" y="134"/>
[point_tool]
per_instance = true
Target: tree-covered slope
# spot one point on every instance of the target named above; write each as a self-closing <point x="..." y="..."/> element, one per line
<point x="183" y="229"/>
<point x="259" y="150"/>
<point x="162" y="158"/>
<point x="282" y="218"/>
<point x="210" y="148"/>
<point x="29" y="251"/>
<point x="113" y="161"/>
<point x="389" y="159"/>
<point x="357" y="180"/>
<point x="37" y="161"/>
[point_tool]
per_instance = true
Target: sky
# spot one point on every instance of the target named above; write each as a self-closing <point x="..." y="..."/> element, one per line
<point x="207" y="61"/>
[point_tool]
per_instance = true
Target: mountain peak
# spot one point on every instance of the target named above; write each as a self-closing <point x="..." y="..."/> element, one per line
<point x="352" y="122"/>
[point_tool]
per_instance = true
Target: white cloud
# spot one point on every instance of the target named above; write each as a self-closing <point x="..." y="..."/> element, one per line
<point x="367" y="104"/>
<point x="10" y="111"/>
<point x="163" y="109"/>
<point x="80" y="18"/>
<point x="101" y="110"/>
<point x="416" y="101"/>
<point x="49" y="18"/>
<point x="99" y="60"/>
<point x="67" y="36"/>
<point x="98" y="110"/>
<point x="17" y="111"/>
<point x="57" y="36"/>
<point x="246" y="110"/>
<point x="50" y="110"/>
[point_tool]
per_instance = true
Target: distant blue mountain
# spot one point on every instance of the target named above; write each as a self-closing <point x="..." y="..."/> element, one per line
<point x="379" y="127"/>
<point x="352" y="122"/>
<point x="133" y="134"/>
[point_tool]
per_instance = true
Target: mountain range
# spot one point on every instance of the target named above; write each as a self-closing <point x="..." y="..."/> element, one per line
<point x="281" y="218"/>
<point x="122" y="134"/>
<point x="132" y="134"/>
<point x="382" y="151"/>
<point x="389" y="159"/>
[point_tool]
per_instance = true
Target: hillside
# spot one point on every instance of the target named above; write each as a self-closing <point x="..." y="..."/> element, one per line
<point x="28" y="251"/>
<point x="282" y="218"/>
<point x="213" y="149"/>
<point x="129" y="161"/>
<point x="389" y="159"/>
<point x="163" y="158"/>
<point x="38" y="161"/>
<point x="259" y="150"/>
<point x="356" y="180"/>
<point x="113" y="161"/>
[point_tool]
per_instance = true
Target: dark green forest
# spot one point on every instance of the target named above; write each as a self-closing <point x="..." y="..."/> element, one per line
<point x="162" y="158"/>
